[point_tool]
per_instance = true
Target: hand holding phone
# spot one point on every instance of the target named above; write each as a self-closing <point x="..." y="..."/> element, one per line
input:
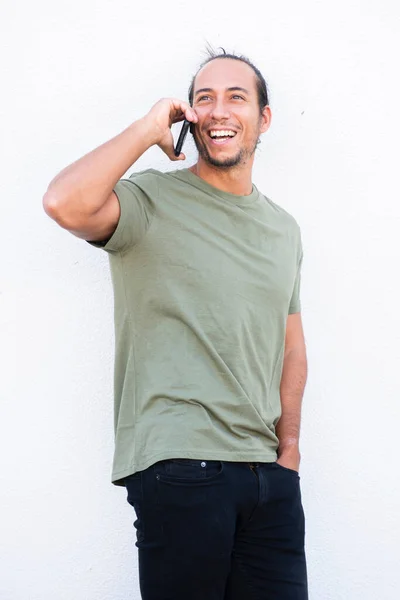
<point x="159" y="119"/>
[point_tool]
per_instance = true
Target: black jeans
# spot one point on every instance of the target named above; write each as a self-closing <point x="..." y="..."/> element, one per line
<point x="212" y="530"/>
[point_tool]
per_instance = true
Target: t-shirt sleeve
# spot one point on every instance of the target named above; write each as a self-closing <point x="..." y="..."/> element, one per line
<point x="136" y="215"/>
<point x="295" y="304"/>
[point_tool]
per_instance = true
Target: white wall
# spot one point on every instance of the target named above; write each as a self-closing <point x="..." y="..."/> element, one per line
<point x="74" y="74"/>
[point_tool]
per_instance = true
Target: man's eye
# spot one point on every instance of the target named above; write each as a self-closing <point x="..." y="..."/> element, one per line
<point x="202" y="98"/>
<point x="237" y="96"/>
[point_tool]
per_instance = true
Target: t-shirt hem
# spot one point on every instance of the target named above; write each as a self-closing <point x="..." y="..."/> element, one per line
<point x="294" y="309"/>
<point x="250" y="456"/>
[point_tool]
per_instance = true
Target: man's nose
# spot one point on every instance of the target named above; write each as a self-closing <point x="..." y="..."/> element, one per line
<point x="220" y="110"/>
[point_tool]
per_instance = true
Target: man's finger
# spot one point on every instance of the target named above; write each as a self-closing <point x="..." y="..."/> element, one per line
<point x="167" y="146"/>
<point x="184" y="110"/>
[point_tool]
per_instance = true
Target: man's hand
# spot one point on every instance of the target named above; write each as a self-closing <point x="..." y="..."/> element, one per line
<point x="162" y="116"/>
<point x="289" y="457"/>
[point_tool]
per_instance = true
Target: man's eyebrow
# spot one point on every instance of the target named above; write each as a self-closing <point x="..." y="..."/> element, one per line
<point x="203" y="90"/>
<point x="238" y="89"/>
<point x="230" y="89"/>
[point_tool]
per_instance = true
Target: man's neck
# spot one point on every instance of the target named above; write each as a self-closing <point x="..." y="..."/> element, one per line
<point x="234" y="180"/>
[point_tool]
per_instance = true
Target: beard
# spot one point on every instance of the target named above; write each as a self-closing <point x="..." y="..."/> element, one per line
<point x="239" y="158"/>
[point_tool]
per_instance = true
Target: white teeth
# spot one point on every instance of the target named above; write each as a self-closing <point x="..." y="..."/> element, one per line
<point x="226" y="133"/>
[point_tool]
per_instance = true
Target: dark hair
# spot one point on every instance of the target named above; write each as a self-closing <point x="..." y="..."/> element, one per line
<point x="262" y="89"/>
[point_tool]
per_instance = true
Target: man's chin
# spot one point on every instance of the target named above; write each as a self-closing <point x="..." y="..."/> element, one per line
<point x="223" y="161"/>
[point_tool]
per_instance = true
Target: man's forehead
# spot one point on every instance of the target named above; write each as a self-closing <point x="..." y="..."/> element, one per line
<point x="224" y="74"/>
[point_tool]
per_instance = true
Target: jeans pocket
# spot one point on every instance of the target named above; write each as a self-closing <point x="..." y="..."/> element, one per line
<point x="187" y="471"/>
<point x="291" y="471"/>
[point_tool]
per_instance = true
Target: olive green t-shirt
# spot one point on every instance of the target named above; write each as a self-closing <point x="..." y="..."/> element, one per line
<point x="203" y="283"/>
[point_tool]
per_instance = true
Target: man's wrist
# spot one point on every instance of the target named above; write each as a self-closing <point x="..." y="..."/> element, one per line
<point x="144" y="130"/>
<point x="289" y="455"/>
<point x="288" y="446"/>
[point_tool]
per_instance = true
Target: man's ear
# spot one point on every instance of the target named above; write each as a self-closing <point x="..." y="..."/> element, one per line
<point x="266" y="117"/>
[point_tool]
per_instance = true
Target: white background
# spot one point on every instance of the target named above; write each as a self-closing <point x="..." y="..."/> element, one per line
<point x="73" y="75"/>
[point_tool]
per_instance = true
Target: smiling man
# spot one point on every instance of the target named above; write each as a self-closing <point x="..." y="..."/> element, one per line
<point x="230" y="117"/>
<point x="210" y="359"/>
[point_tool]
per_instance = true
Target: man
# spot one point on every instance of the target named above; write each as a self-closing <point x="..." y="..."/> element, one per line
<point x="210" y="362"/>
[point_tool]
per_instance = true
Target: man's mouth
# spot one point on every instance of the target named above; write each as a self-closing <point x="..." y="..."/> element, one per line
<point x="221" y="136"/>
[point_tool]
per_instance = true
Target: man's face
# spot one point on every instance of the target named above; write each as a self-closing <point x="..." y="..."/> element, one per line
<point x="226" y="102"/>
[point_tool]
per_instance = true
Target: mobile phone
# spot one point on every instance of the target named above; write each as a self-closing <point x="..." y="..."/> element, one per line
<point x="182" y="136"/>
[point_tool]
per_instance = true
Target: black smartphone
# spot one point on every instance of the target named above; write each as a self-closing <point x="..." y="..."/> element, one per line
<point x="182" y="136"/>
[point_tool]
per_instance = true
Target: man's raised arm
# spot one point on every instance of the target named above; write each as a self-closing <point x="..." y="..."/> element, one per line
<point x="81" y="198"/>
